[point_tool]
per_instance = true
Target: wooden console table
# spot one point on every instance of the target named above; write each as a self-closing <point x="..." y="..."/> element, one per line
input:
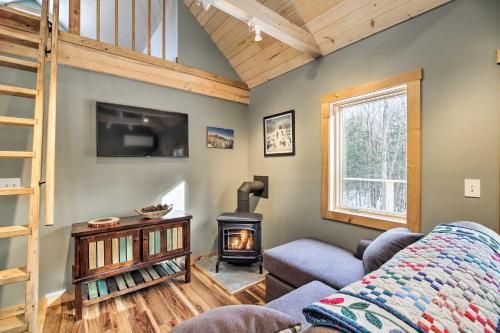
<point x="132" y="255"/>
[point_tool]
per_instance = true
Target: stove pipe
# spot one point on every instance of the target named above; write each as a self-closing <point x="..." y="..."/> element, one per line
<point x="244" y="191"/>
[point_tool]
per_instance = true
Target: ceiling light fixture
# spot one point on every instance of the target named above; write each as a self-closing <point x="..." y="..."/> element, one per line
<point x="254" y="27"/>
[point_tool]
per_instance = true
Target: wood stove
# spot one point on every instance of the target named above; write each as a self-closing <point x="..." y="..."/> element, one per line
<point x="240" y="239"/>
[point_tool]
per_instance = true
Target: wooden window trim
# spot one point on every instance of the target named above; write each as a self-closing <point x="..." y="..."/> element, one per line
<point x="413" y="81"/>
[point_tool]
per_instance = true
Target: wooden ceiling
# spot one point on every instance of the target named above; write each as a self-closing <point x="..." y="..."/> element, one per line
<point x="334" y="24"/>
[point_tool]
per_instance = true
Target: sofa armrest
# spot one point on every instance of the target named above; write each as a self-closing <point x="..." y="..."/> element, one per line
<point x="363" y="244"/>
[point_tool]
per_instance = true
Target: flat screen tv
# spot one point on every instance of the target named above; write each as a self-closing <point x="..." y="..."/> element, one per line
<point x="129" y="131"/>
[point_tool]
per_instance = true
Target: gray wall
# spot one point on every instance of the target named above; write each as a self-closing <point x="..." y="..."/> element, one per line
<point x="88" y="187"/>
<point x="455" y="45"/>
<point x="198" y="48"/>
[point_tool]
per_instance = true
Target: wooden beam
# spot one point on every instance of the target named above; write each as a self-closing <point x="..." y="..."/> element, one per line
<point x="271" y="23"/>
<point x="50" y="158"/>
<point x="149" y="27"/>
<point x="20" y="20"/>
<point x="98" y="20"/>
<point x="106" y="58"/>
<point x="163" y="28"/>
<point x="116" y="22"/>
<point x="133" y="25"/>
<point x="74" y="16"/>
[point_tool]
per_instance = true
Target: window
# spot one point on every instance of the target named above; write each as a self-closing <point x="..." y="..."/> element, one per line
<point x="371" y="153"/>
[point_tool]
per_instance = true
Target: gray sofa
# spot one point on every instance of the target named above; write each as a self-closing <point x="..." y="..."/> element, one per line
<point x="300" y="273"/>
<point x="297" y="263"/>
<point x="305" y="270"/>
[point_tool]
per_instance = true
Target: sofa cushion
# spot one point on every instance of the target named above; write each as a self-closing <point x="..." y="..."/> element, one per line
<point x="293" y="302"/>
<point x="239" y="318"/>
<point x="385" y="246"/>
<point x="305" y="260"/>
<point x="275" y="288"/>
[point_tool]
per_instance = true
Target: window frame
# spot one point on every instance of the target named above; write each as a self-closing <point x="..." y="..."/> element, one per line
<point x="412" y="80"/>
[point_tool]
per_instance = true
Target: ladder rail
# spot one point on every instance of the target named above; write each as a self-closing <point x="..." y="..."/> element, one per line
<point x="32" y="261"/>
<point x="51" y="120"/>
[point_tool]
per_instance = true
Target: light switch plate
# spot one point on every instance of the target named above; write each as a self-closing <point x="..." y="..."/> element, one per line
<point x="472" y="188"/>
<point x="10" y="182"/>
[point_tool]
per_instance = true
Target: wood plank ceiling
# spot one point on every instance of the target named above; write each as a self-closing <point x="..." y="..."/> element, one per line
<point x="334" y="24"/>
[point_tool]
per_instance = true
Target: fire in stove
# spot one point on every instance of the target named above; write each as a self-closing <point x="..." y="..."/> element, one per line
<point x="240" y="240"/>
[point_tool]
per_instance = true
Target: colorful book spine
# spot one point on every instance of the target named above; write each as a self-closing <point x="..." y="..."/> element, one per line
<point x="129" y="279"/>
<point x="115" y="251"/>
<point x="130" y="248"/>
<point x="103" y="288"/>
<point x="153" y="273"/>
<point x="157" y="242"/>
<point x="180" y="238"/>
<point x="112" y="285"/>
<point x="123" y="249"/>
<point x="92" y="290"/>
<point x="151" y="243"/>
<point x="120" y="282"/>
<point x="167" y="268"/>
<point x="92" y="255"/>
<point x="173" y="266"/>
<point x="145" y="275"/>
<point x="160" y="270"/>
<point x="100" y="254"/>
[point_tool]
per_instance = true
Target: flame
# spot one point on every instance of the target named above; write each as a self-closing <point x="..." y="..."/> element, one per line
<point x="243" y="240"/>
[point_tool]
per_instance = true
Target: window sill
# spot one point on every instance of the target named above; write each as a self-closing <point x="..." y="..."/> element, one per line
<point x="366" y="220"/>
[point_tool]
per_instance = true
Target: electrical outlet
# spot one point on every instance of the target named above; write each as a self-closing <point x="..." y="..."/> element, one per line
<point x="472" y="188"/>
<point x="10" y="182"/>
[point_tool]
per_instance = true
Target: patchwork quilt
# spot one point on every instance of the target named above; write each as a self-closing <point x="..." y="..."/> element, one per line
<point x="449" y="281"/>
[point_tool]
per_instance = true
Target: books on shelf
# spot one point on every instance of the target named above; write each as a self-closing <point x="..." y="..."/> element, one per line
<point x="121" y="282"/>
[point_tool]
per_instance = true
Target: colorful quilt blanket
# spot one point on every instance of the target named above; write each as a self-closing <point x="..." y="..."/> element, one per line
<point x="449" y="281"/>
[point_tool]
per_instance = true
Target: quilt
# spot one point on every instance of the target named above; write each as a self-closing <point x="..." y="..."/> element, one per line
<point x="449" y="281"/>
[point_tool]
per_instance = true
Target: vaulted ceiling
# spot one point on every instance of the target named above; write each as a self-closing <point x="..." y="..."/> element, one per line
<point x="334" y="24"/>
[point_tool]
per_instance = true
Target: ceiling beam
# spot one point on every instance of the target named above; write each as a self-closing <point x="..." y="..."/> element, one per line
<point x="270" y="23"/>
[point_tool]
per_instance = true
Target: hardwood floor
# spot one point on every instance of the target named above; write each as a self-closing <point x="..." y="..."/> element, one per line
<point x="155" y="309"/>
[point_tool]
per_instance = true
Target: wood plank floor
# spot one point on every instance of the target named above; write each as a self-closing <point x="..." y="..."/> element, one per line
<point x="155" y="309"/>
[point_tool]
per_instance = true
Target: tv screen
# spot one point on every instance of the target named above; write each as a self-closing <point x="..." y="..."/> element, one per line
<point x="129" y="131"/>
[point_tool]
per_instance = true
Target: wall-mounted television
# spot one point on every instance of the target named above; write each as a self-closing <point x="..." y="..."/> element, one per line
<point x="127" y="131"/>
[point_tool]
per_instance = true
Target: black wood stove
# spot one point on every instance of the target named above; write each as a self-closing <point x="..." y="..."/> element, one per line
<point x="240" y="240"/>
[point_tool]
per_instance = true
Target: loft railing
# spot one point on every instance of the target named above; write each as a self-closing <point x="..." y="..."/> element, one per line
<point x="76" y="17"/>
<point x="381" y="194"/>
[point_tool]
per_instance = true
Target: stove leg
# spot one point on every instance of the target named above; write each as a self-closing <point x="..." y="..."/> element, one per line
<point x="217" y="266"/>
<point x="260" y="267"/>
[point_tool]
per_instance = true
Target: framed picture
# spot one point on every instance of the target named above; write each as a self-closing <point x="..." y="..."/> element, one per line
<point x="222" y="138"/>
<point x="279" y="134"/>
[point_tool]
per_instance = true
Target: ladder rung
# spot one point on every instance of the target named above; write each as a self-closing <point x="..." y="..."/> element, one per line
<point x="15" y="36"/>
<point x="14" y="231"/>
<point x="17" y="121"/>
<point x="13" y="325"/>
<point x="17" y="91"/>
<point x="21" y="154"/>
<point x="13" y="275"/>
<point x="18" y="64"/>
<point x="15" y="190"/>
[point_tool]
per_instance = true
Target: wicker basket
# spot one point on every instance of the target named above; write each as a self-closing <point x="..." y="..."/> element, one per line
<point x="155" y="215"/>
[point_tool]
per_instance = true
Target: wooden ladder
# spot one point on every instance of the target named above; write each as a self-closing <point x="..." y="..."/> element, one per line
<point x="25" y="318"/>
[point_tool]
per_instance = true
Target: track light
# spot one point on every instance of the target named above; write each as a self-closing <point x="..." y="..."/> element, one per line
<point x="206" y="3"/>
<point x="258" y="35"/>
<point x="254" y="27"/>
